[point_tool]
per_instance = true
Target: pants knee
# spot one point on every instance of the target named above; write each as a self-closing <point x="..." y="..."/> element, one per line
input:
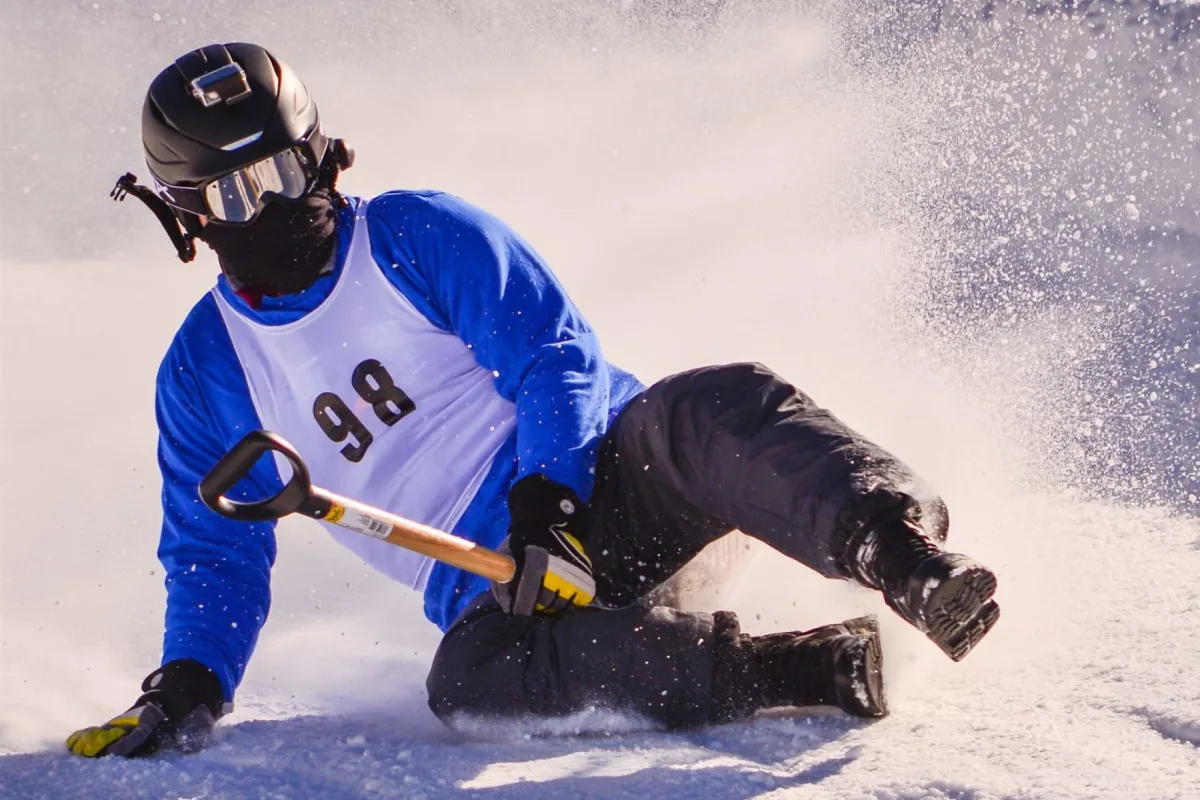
<point x="745" y="375"/>
<point x="480" y="666"/>
<point x="439" y="688"/>
<point x="741" y="392"/>
<point x="454" y="689"/>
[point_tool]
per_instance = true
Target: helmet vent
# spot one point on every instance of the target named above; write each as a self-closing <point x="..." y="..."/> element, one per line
<point x="226" y="84"/>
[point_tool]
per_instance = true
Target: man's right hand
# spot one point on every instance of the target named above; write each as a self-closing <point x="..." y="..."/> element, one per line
<point x="180" y="703"/>
<point x="553" y="573"/>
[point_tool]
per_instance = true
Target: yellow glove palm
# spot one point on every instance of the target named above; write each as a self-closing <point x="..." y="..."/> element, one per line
<point x="120" y="735"/>
<point x="553" y="572"/>
<point x="568" y="576"/>
<point x="179" y="705"/>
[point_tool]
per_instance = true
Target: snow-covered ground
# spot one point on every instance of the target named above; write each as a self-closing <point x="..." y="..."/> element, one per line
<point x="877" y="208"/>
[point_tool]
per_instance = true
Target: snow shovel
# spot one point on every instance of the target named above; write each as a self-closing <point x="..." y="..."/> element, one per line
<point x="300" y="496"/>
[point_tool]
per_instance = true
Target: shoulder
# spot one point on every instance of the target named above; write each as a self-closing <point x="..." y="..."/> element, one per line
<point x="201" y="348"/>
<point x="199" y="327"/>
<point x="201" y="384"/>
<point x="429" y="213"/>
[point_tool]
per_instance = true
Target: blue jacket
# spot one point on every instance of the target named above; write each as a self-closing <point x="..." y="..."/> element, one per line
<point x="546" y="357"/>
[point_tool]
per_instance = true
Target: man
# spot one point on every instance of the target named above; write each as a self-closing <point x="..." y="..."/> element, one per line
<point x="423" y="359"/>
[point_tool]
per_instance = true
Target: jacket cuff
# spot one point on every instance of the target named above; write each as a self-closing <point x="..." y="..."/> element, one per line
<point x="180" y="686"/>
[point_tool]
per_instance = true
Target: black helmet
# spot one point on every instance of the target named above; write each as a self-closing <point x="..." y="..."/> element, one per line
<point x="225" y="128"/>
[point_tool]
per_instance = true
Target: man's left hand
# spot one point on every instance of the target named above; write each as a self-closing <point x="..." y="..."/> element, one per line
<point x="181" y="701"/>
<point x="553" y="572"/>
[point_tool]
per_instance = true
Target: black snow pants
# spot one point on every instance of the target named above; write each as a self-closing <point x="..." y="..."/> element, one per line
<point x="695" y="456"/>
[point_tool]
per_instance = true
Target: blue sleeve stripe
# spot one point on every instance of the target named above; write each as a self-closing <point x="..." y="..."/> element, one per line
<point x="485" y="522"/>
<point x="472" y="275"/>
<point x="217" y="570"/>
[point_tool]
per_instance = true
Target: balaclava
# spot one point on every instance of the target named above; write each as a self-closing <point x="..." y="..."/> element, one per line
<point x="283" y="249"/>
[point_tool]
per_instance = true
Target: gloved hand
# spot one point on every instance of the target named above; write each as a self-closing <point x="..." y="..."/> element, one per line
<point x="553" y="573"/>
<point x="181" y="701"/>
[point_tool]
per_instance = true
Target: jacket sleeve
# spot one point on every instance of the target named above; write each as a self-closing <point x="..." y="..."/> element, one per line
<point x="472" y="275"/>
<point x="217" y="570"/>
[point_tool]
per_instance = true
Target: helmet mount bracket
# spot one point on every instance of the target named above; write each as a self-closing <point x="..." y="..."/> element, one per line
<point x="185" y="245"/>
<point x="227" y="84"/>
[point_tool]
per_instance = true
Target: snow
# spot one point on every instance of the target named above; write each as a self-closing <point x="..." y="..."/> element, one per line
<point x="930" y="585"/>
<point x="756" y="189"/>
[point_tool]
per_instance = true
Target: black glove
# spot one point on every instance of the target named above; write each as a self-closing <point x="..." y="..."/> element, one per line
<point x="181" y="701"/>
<point x="553" y="573"/>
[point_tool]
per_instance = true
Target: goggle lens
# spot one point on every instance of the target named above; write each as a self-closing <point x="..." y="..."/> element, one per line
<point x="238" y="196"/>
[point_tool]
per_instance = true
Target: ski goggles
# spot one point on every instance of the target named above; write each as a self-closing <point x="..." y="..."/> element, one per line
<point x="238" y="196"/>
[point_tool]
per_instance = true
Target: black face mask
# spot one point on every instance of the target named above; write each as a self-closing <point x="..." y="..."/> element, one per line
<point x="283" y="250"/>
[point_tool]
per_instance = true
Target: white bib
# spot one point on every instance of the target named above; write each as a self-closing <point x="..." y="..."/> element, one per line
<point x="383" y="406"/>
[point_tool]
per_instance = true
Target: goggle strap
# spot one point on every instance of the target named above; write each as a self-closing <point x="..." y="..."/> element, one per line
<point x="185" y="246"/>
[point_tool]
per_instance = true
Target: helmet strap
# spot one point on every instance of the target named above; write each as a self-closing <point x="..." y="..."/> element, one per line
<point x="184" y="230"/>
<point x="185" y="245"/>
<point x="339" y="156"/>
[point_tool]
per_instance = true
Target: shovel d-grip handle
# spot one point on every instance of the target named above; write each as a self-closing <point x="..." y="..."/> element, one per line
<point x="236" y="465"/>
<point x="299" y="495"/>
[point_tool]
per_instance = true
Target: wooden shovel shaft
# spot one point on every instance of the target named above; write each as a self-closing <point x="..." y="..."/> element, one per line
<point x="454" y="550"/>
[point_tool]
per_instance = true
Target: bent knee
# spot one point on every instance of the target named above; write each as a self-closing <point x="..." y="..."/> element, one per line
<point x="457" y="688"/>
<point x="446" y="691"/>
<point x="720" y="386"/>
<point x="480" y="668"/>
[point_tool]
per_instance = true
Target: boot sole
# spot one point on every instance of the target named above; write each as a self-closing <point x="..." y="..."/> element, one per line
<point x="959" y="612"/>
<point x="957" y="639"/>
<point x="859" y="687"/>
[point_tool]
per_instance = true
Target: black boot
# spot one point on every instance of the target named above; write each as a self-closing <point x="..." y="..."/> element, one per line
<point x="834" y="665"/>
<point x="947" y="596"/>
